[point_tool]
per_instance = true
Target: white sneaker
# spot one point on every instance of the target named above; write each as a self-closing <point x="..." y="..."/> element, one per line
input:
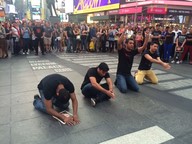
<point x="23" y="53"/>
<point x="27" y="53"/>
<point x="172" y="61"/>
<point x="177" y="62"/>
<point x="93" y="102"/>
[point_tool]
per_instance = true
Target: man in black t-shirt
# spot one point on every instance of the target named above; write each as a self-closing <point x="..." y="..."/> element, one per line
<point x="56" y="90"/>
<point x="156" y="34"/>
<point x="38" y="31"/>
<point x="179" y="46"/>
<point x="168" y="44"/>
<point x="126" y="53"/>
<point x="69" y="36"/>
<point x="144" y="71"/>
<point x="91" y="88"/>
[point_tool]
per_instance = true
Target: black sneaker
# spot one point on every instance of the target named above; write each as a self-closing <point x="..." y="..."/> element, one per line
<point x="115" y="83"/>
<point x="36" y="97"/>
<point x="93" y="102"/>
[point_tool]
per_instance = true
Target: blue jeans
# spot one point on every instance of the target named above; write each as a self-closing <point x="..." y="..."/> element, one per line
<point x="40" y="105"/>
<point x="167" y="51"/>
<point x="84" y="43"/>
<point x="90" y="92"/>
<point x="26" y="44"/>
<point x="123" y="83"/>
<point x="69" y="44"/>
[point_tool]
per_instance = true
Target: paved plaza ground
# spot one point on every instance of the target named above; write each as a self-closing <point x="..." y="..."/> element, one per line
<point x="157" y="114"/>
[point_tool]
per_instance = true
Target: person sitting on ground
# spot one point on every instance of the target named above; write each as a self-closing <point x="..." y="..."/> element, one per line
<point x="144" y="71"/>
<point x="56" y="90"/>
<point x="91" y="88"/>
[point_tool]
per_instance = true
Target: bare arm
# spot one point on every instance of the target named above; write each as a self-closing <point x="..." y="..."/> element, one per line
<point x="120" y="41"/>
<point x="75" y="107"/>
<point x="51" y="111"/>
<point x="110" y="83"/>
<point x="98" y="87"/>
<point x="158" y="61"/>
<point x="184" y="42"/>
<point x="140" y="49"/>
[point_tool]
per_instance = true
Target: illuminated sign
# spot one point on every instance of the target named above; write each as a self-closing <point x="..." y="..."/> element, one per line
<point x="178" y="11"/>
<point x="35" y="2"/>
<point x="69" y="6"/>
<point x="125" y="4"/>
<point x="130" y="10"/>
<point x="113" y="12"/>
<point x="88" y="6"/>
<point x="156" y="10"/>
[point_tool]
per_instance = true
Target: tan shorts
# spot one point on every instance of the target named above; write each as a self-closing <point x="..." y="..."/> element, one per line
<point x="47" y="40"/>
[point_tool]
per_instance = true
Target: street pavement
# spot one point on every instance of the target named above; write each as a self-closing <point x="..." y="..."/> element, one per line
<point x="159" y="113"/>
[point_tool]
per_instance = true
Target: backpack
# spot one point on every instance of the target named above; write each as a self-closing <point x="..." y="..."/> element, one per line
<point x="91" y="46"/>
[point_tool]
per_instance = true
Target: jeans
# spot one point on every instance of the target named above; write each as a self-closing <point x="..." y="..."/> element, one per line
<point x="69" y="44"/>
<point x="84" y="43"/>
<point x="37" y="41"/>
<point x="16" y="47"/>
<point x="26" y="44"/>
<point x="40" y="105"/>
<point x="125" y="82"/>
<point x="167" y="51"/>
<point x="90" y="92"/>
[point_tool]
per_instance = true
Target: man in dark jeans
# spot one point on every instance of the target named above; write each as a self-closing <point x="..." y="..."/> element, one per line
<point x="69" y="36"/>
<point x="91" y="88"/>
<point x="39" y="34"/>
<point x="56" y="90"/>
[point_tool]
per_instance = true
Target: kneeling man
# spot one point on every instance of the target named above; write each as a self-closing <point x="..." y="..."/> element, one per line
<point x="144" y="71"/>
<point x="56" y="90"/>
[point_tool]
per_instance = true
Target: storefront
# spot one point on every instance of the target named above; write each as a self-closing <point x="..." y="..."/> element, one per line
<point x="163" y="11"/>
<point x="98" y="9"/>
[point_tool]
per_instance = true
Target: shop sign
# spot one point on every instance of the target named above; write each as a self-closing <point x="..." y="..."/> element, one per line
<point x="130" y="1"/>
<point x="130" y="10"/>
<point x="89" y="6"/>
<point x="179" y="12"/>
<point x="156" y="10"/>
<point x="113" y="12"/>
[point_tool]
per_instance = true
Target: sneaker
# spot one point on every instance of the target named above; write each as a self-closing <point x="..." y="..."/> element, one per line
<point x="23" y="53"/>
<point x="172" y="61"/>
<point x="27" y="53"/>
<point x="177" y="62"/>
<point x="36" y="97"/>
<point x="93" y="102"/>
<point x="115" y="83"/>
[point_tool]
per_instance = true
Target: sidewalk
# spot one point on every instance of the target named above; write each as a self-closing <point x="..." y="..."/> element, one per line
<point x="20" y="123"/>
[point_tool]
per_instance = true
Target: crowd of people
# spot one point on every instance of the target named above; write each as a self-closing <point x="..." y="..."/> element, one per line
<point x="25" y="37"/>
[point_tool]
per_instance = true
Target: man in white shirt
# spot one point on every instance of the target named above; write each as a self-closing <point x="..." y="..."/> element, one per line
<point x="177" y="31"/>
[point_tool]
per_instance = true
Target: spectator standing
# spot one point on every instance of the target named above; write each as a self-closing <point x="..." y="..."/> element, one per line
<point x="39" y="36"/>
<point x="26" y="38"/>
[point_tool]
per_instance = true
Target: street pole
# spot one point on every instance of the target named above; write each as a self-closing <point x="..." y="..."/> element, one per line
<point x="135" y="18"/>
